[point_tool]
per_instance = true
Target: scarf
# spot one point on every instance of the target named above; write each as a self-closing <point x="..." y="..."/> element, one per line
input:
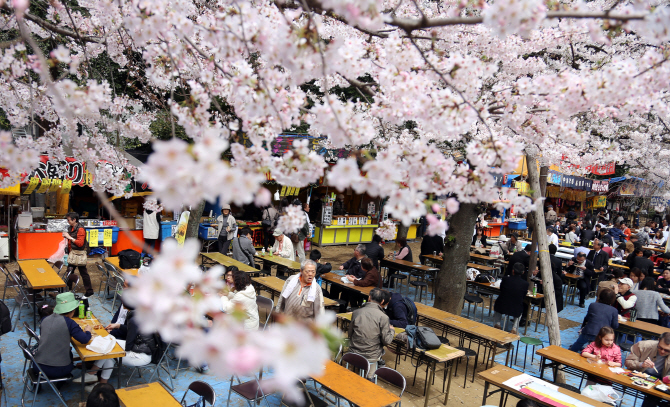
<point x="291" y="284"/>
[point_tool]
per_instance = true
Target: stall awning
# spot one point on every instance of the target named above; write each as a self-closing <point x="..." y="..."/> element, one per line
<point x="13" y="190"/>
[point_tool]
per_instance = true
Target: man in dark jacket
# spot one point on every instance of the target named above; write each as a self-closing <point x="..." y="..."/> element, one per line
<point x="397" y="311"/>
<point x="353" y="265"/>
<point x="374" y="250"/>
<point x="584" y="269"/>
<point x="556" y="277"/>
<point x="321" y="268"/>
<point x="616" y="233"/>
<point x="587" y="235"/>
<point x="522" y="257"/>
<point x="430" y="245"/>
<point x="606" y="238"/>
<point x="644" y="263"/>
<point x="600" y="314"/>
<point x="513" y="291"/>
<point x="556" y="263"/>
<point x="598" y="257"/>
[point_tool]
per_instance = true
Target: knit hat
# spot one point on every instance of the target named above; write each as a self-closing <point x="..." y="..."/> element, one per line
<point x="65" y="303"/>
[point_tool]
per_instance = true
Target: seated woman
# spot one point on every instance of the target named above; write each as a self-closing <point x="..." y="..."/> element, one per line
<point x="53" y="353"/>
<point x="118" y="326"/>
<point x="243" y="296"/>
<point x="649" y="301"/>
<point x="139" y="348"/>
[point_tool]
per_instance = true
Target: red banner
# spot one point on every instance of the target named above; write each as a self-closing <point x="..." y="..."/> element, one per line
<point x="606" y="169"/>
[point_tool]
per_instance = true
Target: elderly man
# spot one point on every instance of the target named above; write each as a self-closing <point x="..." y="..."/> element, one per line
<point x="598" y="257"/>
<point x="550" y="216"/>
<point x="370" y="329"/>
<point x="353" y="265"/>
<point x="651" y="357"/>
<point x="552" y="238"/>
<point x="283" y="247"/>
<point x="243" y="248"/>
<point x="512" y="245"/>
<point x="301" y="298"/>
<point x="625" y="299"/>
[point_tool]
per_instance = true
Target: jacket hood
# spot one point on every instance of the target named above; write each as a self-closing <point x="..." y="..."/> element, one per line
<point x="249" y="292"/>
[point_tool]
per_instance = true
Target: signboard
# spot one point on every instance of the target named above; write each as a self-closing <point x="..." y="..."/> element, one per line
<point x="568" y="181"/>
<point x="579" y="183"/>
<point x="627" y="189"/>
<point x="182" y="225"/>
<point x="600" y="186"/>
<point x="605" y="169"/>
<point x="588" y="184"/>
<point x="554" y="177"/>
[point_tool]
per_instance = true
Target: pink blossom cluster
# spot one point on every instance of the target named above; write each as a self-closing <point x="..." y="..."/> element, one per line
<point x="387" y="230"/>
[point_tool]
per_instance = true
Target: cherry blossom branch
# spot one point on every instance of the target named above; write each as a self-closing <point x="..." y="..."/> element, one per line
<point x="59" y="30"/>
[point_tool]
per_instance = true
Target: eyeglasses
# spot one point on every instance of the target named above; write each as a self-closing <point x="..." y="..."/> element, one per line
<point x="662" y="349"/>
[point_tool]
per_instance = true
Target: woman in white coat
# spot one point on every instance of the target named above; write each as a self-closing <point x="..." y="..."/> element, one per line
<point x="242" y="296"/>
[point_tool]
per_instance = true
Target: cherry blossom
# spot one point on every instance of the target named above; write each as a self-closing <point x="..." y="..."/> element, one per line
<point x="291" y="221"/>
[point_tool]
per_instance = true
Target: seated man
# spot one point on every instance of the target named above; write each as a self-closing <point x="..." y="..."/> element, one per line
<point x="283" y="247"/>
<point x="625" y="299"/>
<point x="351" y="267"/>
<point x="399" y="315"/>
<point x="243" y="248"/>
<point x="651" y="357"/>
<point x="513" y="291"/>
<point x="584" y="269"/>
<point x="370" y="330"/>
<point x="512" y="245"/>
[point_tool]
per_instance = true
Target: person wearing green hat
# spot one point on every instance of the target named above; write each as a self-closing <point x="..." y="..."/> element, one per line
<point x="56" y="327"/>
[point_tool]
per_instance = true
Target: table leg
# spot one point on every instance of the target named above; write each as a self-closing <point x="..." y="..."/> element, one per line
<point x="502" y="397"/>
<point x="451" y="371"/>
<point x="542" y="368"/>
<point x="118" y="372"/>
<point x="486" y="390"/>
<point x="430" y="366"/>
<point x="34" y="311"/>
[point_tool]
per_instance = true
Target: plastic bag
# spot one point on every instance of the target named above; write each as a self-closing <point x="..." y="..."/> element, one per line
<point x="602" y="393"/>
<point x="58" y="256"/>
<point x="495" y="251"/>
<point x="472" y="273"/>
<point x="102" y="344"/>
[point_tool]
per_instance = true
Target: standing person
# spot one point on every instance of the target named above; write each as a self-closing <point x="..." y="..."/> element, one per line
<point x="651" y="357"/>
<point x="338" y="206"/>
<point x="551" y="216"/>
<point x="375" y="251"/>
<point x="599" y="314"/>
<point x="625" y="299"/>
<point x="315" y="207"/>
<point x="57" y="327"/>
<point x="649" y="301"/>
<point x="243" y="296"/>
<point x="269" y="223"/>
<point x="522" y="257"/>
<point x="303" y="233"/>
<point x="76" y="236"/>
<point x="151" y="226"/>
<point x="243" y="248"/>
<point x="583" y="268"/>
<point x="370" y="330"/>
<point x="227" y="229"/>
<point x="557" y="278"/>
<point x="301" y="298"/>
<point x="513" y="291"/>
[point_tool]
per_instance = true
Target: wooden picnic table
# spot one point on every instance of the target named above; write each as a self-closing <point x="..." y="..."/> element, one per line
<point x="146" y="395"/>
<point x="618" y="266"/>
<point x="407" y="266"/>
<point x="500" y="374"/>
<point x="529" y="298"/>
<point x="480" y="267"/>
<point x="225" y="261"/>
<point x="562" y="356"/>
<point x="40" y="276"/>
<point x="645" y="329"/>
<point x="333" y="278"/>
<point x="274" y="286"/>
<point x="486" y="335"/>
<point x="655" y="249"/>
<point x="89" y="356"/>
<point x="481" y="257"/>
<point x="278" y="261"/>
<point x="355" y="389"/>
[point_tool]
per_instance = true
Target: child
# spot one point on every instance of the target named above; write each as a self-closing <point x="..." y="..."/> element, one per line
<point x="603" y="348"/>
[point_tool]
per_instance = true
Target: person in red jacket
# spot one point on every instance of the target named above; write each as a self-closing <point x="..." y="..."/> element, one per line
<point x="76" y="236"/>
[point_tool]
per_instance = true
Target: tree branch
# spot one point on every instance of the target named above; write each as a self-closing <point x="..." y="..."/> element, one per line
<point x="59" y="30"/>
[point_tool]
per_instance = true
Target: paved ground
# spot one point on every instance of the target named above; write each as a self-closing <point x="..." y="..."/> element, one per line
<point x="470" y="396"/>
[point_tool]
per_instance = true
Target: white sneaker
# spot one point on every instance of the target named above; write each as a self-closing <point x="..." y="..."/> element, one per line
<point x="90" y="387"/>
<point x="90" y="378"/>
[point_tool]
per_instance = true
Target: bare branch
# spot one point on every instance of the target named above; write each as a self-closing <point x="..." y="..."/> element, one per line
<point x="59" y="30"/>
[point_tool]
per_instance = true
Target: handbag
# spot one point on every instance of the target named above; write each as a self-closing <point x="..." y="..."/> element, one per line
<point x="267" y="222"/>
<point x="77" y="258"/>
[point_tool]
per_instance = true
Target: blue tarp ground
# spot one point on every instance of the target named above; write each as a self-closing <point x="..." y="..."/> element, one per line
<point x="12" y="363"/>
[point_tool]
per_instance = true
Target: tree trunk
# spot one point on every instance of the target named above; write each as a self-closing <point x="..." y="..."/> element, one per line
<point x="450" y="281"/>
<point x="545" y="262"/>
<point x="194" y="220"/>
<point x="544" y="171"/>
<point x="402" y="231"/>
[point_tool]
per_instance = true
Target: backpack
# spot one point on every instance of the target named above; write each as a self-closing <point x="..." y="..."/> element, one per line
<point x="411" y="311"/>
<point x="158" y="351"/>
<point x="421" y="337"/>
<point x="129" y="259"/>
<point x="484" y="277"/>
<point x="5" y="319"/>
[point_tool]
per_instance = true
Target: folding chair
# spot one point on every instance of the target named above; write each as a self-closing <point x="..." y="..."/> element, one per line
<point x="266" y="305"/>
<point x="357" y="361"/>
<point x="392" y="377"/>
<point x="35" y="379"/>
<point x="22" y="298"/>
<point x="9" y="282"/>
<point x="156" y="367"/>
<point x="31" y="334"/>
<point x="309" y="399"/>
<point x="107" y="280"/>
<point x="202" y="389"/>
<point x="120" y="281"/>
<point x="251" y="391"/>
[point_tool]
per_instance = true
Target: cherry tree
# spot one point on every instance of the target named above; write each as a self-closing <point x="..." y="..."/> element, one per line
<point x="572" y="82"/>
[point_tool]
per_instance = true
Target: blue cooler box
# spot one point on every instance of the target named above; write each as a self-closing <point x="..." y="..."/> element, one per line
<point x="520" y="225"/>
<point x="168" y="229"/>
<point x="207" y="232"/>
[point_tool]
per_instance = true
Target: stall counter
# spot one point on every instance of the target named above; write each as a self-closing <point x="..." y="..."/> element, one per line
<point x="495" y="229"/>
<point x="41" y="245"/>
<point x="349" y="234"/>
